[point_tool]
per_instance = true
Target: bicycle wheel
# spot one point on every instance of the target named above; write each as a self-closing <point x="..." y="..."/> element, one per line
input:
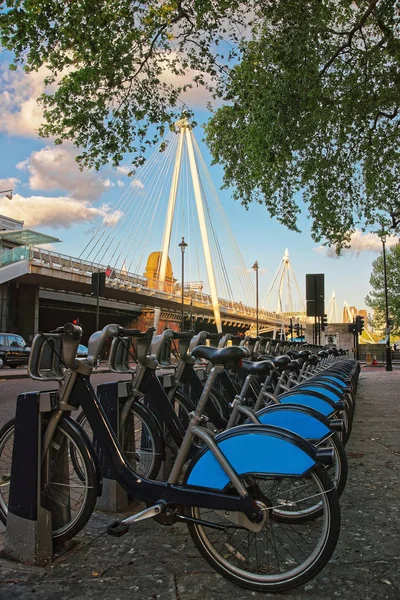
<point x="287" y="552"/>
<point x="141" y="443"/>
<point x="69" y="494"/>
<point x="338" y="471"/>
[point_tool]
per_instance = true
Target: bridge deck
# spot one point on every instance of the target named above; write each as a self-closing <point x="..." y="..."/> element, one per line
<point x="57" y="271"/>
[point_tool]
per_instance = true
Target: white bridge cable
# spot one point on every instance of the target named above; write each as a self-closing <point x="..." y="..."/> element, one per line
<point x="226" y="290"/>
<point x="130" y="205"/>
<point x="136" y="224"/>
<point x="140" y="229"/>
<point x="243" y="273"/>
<point x="119" y="207"/>
<point x="303" y="304"/>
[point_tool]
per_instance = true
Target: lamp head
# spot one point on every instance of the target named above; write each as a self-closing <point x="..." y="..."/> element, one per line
<point x="183" y="245"/>
<point x="9" y="196"/>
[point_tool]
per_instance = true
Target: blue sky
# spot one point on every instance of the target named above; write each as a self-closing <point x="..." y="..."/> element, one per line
<point x="53" y="196"/>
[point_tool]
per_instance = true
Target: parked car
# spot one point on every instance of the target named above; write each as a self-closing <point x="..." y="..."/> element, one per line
<point x="14" y="351"/>
<point x="82" y="351"/>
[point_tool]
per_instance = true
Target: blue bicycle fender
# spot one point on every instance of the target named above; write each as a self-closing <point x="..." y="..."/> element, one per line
<point x="341" y="384"/>
<point x="300" y="422"/>
<point x="252" y="449"/>
<point x="304" y="399"/>
<point x="321" y="390"/>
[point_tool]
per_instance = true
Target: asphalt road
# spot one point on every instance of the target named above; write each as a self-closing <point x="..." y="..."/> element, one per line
<point x="10" y="388"/>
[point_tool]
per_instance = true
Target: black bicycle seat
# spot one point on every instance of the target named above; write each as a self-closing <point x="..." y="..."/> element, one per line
<point x="293" y="353"/>
<point x="221" y="356"/>
<point x="322" y="354"/>
<point x="293" y="366"/>
<point x="257" y="368"/>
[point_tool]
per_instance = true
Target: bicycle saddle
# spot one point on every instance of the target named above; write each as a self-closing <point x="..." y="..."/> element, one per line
<point x="294" y="366"/>
<point x="293" y="353"/>
<point x="313" y="359"/>
<point x="221" y="356"/>
<point x="257" y="368"/>
<point x="280" y="362"/>
<point x="322" y="354"/>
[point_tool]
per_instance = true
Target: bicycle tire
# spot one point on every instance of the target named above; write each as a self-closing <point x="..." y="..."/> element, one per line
<point x="52" y="496"/>
<point x="227" y="557"/>
<point x="151" y="446"/>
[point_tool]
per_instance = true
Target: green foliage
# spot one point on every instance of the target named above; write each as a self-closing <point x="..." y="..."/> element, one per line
<point x="111" y="65"/>
<point x="313" y="107"/>
<point x="376" y="298"/>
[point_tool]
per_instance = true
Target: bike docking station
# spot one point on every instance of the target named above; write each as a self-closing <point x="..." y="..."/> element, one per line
<point x="29" y="523"/>
<point x="111" y="396"/>
<point x="117" y="398"/>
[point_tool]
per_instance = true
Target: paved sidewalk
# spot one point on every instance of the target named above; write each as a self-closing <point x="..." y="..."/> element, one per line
<point x="154" y="562"/>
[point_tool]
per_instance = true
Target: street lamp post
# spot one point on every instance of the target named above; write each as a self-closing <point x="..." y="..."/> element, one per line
<point x="255" y="267"/>
<point x="389" y="366"/>
<point x="183" y="245"/>
<point x="9" y="195"/>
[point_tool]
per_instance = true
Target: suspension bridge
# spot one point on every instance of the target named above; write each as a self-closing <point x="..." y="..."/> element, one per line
<point x="169" y="198"/>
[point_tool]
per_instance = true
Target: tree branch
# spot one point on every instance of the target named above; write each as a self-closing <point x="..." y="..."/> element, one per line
<point x="347" y="44"/>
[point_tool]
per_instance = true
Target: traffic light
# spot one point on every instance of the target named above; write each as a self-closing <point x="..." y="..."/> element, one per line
<point x="324" y="322"/>
<point x="351" y="328"/>
<point x="98" y="283"/>
<point x="291" y="329"/>
<point x="297" y="329"/>
<point x="359" y="324"/>
<point x="75" y="321"/>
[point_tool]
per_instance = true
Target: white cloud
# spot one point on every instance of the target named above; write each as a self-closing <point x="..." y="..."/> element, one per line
<point x="55" y="212"/>
<point x="108" y="183"/>
<point x="55" y="168"/>
<point x="113" y="217"/>
<point x="136" y="183"/>
<point x="9" y="184"/>
<point x="124" y="169"/>
<point x="360" y="242"/>
<point x="120" y="183"/>
<point x="20" y="112"/>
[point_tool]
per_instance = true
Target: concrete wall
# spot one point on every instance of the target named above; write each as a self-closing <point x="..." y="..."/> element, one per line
<point x="335" y="333"/>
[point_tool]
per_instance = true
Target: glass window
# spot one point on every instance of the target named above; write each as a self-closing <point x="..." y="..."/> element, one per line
<point x="11" y="340"/>
<point x="20" y="341"/>
<point x="2" y="340"/>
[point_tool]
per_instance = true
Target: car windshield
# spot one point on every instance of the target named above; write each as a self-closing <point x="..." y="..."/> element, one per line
<point x="21" y="342"/>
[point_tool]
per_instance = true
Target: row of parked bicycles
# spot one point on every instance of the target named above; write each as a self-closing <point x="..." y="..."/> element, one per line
<point x="254" y="429"/>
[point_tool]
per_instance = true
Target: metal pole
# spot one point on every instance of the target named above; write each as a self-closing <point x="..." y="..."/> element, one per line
<point x="389" y="366"/>
<point x="255" y="267"/>
<point x="183" y="247"/>
<point x="98" y="303"/>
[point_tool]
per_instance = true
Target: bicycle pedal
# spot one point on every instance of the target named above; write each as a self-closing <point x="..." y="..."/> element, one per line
<point x="117" y="529"/>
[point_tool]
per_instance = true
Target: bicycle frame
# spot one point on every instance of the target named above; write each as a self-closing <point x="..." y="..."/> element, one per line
<point x="153" y="491"/>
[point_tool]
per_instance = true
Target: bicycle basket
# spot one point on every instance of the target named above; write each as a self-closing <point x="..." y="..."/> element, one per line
<point x="120" y="356"/>
<point x="45" y="360"/>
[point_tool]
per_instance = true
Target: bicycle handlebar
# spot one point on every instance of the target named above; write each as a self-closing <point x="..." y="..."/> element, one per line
<point x="183" y="335"/>
<point x="135" y="332"/>
<point x="74" y="331"/>
<point x="214" y="336"/>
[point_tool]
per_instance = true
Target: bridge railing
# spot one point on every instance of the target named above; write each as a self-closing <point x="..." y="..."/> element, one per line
<point x="13" y="255"/>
